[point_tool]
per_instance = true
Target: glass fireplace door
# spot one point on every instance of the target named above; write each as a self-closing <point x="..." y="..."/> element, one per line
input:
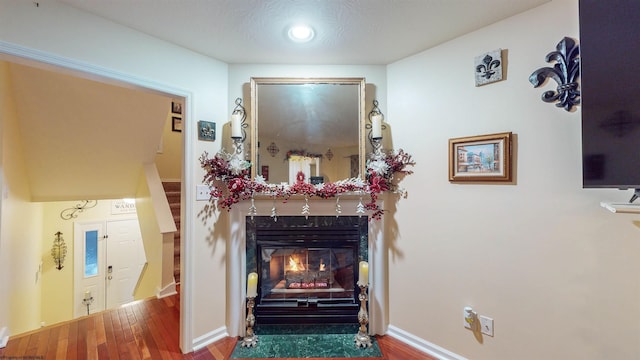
<point x="297" y="275"/>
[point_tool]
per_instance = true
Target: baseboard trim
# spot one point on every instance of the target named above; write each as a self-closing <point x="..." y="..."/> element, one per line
<point x="423" y="345"/>
<point x="210" y="337"/>
<point x="166" y="291"/>
<point x="4" y="337"/>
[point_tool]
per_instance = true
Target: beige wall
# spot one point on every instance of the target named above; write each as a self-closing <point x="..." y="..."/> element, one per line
<point x="20" y="227"/>
<point x="338" y="168"/>
<point x="556" y="271"/>
<point x="169" y="158"/>
<point x="4" y="254"/>
<point x="152" y="242"/>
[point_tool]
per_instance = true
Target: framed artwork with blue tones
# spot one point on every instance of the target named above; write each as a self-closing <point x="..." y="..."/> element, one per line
<point x="483" y="158"/>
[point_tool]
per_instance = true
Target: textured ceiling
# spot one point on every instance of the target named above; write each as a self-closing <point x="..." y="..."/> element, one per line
<point x="347" y="31"/>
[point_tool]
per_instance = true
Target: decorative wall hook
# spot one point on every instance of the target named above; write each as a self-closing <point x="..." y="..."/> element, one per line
<point x="273" y="149"/>
<point x="565" y="72"/>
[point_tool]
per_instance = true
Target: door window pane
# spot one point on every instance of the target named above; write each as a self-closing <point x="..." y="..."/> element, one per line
<point x="91" y="253"/>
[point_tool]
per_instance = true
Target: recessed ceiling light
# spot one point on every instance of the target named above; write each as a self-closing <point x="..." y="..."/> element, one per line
<point x="300" y="33"/>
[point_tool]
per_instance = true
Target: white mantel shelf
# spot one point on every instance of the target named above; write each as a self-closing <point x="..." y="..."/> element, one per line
<point x="622" y="208"/>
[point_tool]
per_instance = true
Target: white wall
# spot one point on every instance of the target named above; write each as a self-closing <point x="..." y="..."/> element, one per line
<point x="53" y="28"/>
<point x="556" y="272"/>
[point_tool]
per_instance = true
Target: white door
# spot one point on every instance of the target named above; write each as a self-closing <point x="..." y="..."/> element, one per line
<point x="125" y="261"/>
<point x="109" y="258"/>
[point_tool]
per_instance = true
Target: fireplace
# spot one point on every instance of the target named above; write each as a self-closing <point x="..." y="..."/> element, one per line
<point x="307" y="266"/>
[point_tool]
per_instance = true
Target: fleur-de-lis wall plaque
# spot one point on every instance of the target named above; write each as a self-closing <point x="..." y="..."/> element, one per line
<point x="565" y="72"/>
<point x="488" y="67"/>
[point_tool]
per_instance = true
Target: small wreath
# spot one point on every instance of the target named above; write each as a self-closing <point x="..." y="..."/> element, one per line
<point x="300" y="177"/>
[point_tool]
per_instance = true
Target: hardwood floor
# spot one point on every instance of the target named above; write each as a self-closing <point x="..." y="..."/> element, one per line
<point x="142" y="330"/>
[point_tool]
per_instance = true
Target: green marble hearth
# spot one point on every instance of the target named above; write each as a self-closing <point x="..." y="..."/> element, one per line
<point x="304" y="341"/>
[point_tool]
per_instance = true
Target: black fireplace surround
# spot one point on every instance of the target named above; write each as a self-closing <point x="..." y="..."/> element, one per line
<point x="307" y="267"/>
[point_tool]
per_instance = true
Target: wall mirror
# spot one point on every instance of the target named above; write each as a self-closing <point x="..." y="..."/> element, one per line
<point x="307" y="127"/>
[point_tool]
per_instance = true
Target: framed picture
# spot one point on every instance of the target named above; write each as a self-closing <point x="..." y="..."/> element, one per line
<point x="483" y="158"/>
<point x="176" y="124"/>
<point x="265" y="172"/>
<point x="206" y="131"/>
<point x="176" y="107"/>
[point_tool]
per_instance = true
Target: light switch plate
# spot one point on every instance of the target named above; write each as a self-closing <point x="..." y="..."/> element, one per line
<point x="203" y="192"/>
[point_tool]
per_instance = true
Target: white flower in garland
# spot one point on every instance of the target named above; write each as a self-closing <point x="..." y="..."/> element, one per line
<point x="237" y="165"/>
<point x="260" y="180"/>
<point x="379" y="167"/>
<point x="354" y="182"/>
<point x="359" y="182"/>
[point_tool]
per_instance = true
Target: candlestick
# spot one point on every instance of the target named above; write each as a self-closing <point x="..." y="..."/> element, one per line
<point x="250" y="339"/>
<point x="362" y="338"/>
<point x="363" y="274"/>
<point x="252" y="285"/>
<point x="236" y="126"/>
<point x="376" y="126"/>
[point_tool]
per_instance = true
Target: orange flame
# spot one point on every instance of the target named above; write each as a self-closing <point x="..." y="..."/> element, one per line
<point x="295" y="266"/>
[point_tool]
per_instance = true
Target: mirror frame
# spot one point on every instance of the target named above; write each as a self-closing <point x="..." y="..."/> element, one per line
<point x="256" y="82"/>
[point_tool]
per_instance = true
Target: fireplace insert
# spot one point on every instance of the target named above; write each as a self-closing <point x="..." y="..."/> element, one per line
<point x="307" y="267"/>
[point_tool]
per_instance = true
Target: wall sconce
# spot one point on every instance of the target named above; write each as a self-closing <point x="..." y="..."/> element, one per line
<point x="238" y="124"/>
<point x="59" y="250"/>
<point x="376" y="117"/>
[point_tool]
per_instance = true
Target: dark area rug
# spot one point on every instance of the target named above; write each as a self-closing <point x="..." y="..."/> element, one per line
<point x="299" y="341"/>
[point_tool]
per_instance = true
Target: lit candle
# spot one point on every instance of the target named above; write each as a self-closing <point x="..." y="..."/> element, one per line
<point x="252" y="285"/>
<point x="236" y="126"/>
<point x="87" y="295"/>
<point x="363" y="278"/>
<point x="376" y="126"/>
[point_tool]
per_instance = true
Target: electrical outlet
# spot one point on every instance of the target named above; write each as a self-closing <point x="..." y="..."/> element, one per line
<point x="486" y="325"/>
<point x="469" y="317"/>
<point x="203" y="192"/>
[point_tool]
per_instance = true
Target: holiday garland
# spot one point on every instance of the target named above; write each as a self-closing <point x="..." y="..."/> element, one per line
<point x="302" y="153"/>
<point x="230" y="180"/>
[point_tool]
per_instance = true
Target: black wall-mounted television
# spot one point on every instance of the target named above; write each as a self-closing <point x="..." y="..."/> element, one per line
<point x="610" y="93"/>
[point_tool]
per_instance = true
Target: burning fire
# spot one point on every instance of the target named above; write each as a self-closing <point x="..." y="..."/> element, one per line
<point x="294" y="266"/>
